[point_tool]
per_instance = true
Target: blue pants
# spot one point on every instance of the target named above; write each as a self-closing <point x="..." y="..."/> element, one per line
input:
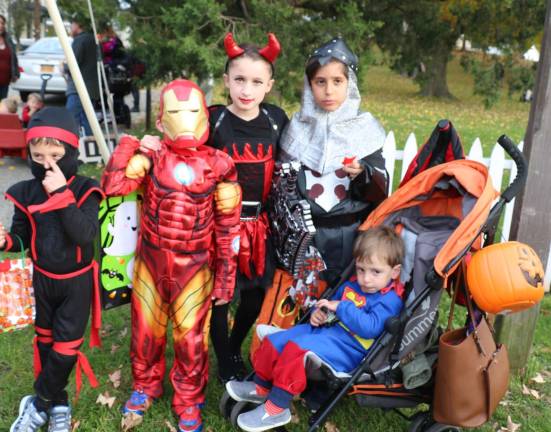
<point x="74" y="105"/>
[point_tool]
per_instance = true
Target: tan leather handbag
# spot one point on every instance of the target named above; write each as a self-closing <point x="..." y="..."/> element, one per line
<point x="472" y="373"/>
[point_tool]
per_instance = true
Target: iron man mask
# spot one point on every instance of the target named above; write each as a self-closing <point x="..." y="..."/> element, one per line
<point x="184" y="115"/>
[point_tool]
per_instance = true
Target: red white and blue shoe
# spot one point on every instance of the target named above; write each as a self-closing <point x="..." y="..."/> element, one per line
<point x="190" y="419"/>
<point x="138" y="403"/>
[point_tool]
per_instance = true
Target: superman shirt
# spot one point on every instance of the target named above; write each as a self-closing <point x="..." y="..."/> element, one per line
<point x="362" y="319"/>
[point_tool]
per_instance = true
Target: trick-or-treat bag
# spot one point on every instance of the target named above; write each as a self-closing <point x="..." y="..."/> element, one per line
<point x="119" y="226"/>
<point x="17" y="306"/>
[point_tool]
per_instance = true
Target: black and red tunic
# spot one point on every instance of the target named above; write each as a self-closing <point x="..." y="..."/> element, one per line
<point x="253" y="146"/>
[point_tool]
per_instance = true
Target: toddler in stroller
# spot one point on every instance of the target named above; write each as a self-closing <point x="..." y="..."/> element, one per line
<point x="340" y="332"/>
<point x="441" y="215"/>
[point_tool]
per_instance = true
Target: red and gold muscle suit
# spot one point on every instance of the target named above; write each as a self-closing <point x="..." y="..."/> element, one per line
<point x="188" y="244"/>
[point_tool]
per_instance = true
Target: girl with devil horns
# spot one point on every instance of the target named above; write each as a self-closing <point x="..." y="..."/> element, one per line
<point x="249" y="131"/>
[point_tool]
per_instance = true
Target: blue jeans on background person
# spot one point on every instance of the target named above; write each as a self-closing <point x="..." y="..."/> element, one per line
<point x="4" y="91"/>
<point x="74" y="105"/>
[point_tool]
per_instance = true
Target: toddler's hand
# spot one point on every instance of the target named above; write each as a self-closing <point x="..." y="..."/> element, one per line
<point x="318" y="318"/>
<point x="54" y="178"/>
<point x="331" y="305"/>
<point x="2" y="236"/>
<point x="149" y="144"/>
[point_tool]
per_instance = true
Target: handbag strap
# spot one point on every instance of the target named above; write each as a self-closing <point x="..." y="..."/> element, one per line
<point x="455" y="287"/>
<point x="471" y="316"/>
<point x="22" y="248"/>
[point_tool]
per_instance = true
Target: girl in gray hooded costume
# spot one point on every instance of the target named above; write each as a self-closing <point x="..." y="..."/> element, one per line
<point x="342" y="175"/>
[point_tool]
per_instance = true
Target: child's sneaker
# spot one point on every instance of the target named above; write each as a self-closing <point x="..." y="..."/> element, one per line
<point x="29" y="420"/>
<point x="138" y="403"/>
<point x="190" y="420"/>
<point x="244" y="391"/>
<point x="60" y="419"/>
<point x="259" y="420"/>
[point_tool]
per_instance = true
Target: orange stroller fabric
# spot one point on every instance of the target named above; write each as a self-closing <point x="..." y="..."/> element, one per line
<point x="419" y="191"/>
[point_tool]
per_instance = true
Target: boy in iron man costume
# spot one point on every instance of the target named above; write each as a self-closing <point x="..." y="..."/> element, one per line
<point x="187" y="249"/>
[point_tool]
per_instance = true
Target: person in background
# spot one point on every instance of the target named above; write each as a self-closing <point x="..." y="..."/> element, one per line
<point x="8" y="106"/>
<point x="84" y="47"/>
<point x="9" y="69"/>
<point x="34" y="104"/>
<point x="112" y="47"/>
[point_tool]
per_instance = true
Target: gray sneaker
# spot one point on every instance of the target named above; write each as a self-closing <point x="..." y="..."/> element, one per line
<point x="29" y="420"/>
<point x="244" y="391"/>
<point x="60" y="419"/>
<point x="259" y="420"/>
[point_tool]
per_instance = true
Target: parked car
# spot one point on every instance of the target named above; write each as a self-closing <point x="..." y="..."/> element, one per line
<point x="42" y="58"/>
<point x="25" y="43"/>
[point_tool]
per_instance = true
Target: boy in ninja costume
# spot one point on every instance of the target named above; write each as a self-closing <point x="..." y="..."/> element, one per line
<point x="187" y="249"/>
<point x="56" y="217"/>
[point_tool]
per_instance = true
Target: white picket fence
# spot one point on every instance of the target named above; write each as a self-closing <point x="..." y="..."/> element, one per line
<point x="497" y="163"/>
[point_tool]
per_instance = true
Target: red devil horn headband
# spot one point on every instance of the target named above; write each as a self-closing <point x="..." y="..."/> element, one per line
<point x="272" y="50"/>
<point x="269" y="52"/>
<point x="232" y="49"/>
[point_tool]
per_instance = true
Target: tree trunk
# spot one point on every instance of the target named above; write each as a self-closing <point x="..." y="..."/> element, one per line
<point x="433" y="79"/>
<point x="36" y="19"/>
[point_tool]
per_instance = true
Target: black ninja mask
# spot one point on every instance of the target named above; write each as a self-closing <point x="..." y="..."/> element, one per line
<point x="57" y="123"/>
<point x="68" y="164"/>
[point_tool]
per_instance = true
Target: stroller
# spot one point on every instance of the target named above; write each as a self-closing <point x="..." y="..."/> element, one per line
<point x="119" y="80"/>
<point x="443" y="213"/>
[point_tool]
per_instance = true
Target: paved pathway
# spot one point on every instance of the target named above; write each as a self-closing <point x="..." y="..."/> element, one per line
<point x="12" y="170"/>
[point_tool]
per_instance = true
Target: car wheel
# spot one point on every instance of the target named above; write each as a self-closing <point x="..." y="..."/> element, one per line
<point x="23" y="95"/>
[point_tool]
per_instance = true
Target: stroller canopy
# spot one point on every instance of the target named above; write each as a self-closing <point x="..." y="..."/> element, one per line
<point x="461" y="189"/>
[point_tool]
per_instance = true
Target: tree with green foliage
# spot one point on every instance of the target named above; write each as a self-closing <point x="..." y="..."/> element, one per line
<point x="185" y="39"/>
<point x="419" y="36"/>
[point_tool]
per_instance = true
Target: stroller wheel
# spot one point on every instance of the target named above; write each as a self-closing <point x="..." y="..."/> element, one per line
<point x="239" y="408"/>
<point x="419" y="422"/>
<point x="438" y="427"/>
<point x="226" y="405"/>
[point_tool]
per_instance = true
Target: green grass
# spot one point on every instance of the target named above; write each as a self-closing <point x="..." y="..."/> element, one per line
<point x="394" y="100"/>
<point x="16" y="379"/>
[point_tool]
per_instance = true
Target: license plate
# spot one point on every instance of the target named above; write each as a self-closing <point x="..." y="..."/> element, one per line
<point x="46" y="68"/>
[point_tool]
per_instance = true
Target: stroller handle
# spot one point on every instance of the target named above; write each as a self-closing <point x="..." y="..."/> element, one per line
<point x="522" y="168"/>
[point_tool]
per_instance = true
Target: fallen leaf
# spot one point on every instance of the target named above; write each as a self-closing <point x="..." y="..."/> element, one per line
<point x="106" y="399"/>
<point x="74" y="425"/>
<point x="531" y="392"/>
<point x="130" y="421"/>
<point x="538" y="379"/>
<point x="169" y="426"/>
<point x="330" y="427"/>
<point x="114" y="348"/>
<point x="123" y="332"/>
<point x="512" y="427"/>
<point x="105" y="330"/>
<point x="115" y="378"/>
